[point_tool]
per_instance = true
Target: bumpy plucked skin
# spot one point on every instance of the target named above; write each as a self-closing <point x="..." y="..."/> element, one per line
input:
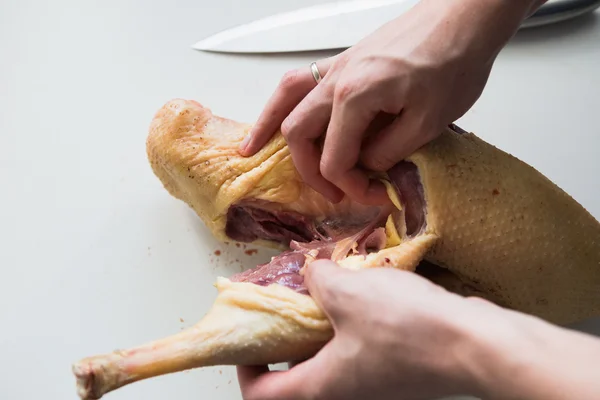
<point x="502" y="228"/>
<point x="509" y="230"/>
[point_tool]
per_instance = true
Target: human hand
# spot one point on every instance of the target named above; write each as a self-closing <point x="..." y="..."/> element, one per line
<point x="399" y="336"/>
<point x="396" y="334"/>
<point x="391" y="93"/>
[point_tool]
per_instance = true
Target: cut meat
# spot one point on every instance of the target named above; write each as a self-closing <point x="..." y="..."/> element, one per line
<point x="333" y="238"/>
<point x="406" y="180"/>
<point x="375" y="241"/>
<point x="283" y="269"/>
<point x="247" y="223"/>
<point x="251" y="220"/>
<point x="317" y="249"/>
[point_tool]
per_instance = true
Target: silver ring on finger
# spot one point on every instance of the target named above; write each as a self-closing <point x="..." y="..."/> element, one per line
<point x="315" y="72"/>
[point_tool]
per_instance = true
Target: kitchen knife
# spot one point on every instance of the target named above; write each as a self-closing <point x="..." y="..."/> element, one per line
<point x="340" y="25"/>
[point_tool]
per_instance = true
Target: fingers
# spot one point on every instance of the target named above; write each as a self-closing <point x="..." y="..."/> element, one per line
<point x="328" y="285"/>
<point x="258" y="383"/>
<point x="351" y="116"/>
<point x="249" y="374"/>
<point x="301" y="129"/>
<point x="401" y="138"/>
<point x="294" y="86"/>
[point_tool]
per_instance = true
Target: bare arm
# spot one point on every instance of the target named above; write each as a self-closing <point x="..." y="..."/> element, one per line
<point x="536" y="360"/>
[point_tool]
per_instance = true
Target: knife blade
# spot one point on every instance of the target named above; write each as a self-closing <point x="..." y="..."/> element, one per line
<point x="340" y="25"/>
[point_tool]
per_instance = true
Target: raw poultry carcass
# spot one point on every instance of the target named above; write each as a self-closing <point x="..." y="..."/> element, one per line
<point x="485" y="223"/>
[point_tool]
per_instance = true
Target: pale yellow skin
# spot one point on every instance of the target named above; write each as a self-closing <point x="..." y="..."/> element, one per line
<point x="499" y="228"/>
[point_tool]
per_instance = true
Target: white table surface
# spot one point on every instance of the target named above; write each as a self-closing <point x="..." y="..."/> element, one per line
<point x="97" y="256"/>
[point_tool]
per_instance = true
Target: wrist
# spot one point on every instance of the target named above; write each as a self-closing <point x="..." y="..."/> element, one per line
<point x="488" y="25"/>
<point x="478" y="354"/>
<point x="504" y="353"/>
<point x="498" y="351"/>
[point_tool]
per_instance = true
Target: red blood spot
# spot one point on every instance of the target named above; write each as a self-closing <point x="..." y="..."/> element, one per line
<point x="251" y="252"/>
<point x="217" y="252"/>
<point x="495" y="192"/>
<point x="387" y="260"/>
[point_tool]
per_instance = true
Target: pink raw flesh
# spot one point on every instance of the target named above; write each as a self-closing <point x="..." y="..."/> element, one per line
<point x="375" y="241"/>
<point x="248" y="223"/>
<point x="249" y="220"/>
<point x="283" y="269"/>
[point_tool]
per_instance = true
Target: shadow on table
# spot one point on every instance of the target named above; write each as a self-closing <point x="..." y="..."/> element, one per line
<point x="590" y="326"/>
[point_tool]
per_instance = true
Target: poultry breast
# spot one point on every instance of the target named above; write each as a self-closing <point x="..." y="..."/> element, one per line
<point x="463" y="213"/>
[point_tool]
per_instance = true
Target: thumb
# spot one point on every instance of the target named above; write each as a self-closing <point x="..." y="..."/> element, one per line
<point x="258" y="383"/>
<point x="328" y="284"/>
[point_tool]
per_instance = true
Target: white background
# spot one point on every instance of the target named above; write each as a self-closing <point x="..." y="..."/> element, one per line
<point x="95" y="255"/>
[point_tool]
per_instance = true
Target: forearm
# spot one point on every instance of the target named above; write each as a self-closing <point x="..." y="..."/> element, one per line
<point x="536" y="360"/>
<point x="485" y="26"/>
<point x="511" y="12"/>
<point x="494" y="22"/>
<point x="564" y="365"/>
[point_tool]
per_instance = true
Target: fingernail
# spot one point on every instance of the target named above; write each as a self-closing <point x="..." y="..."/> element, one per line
<point x="377" y="193"/>
<point x="245" y="142"/>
